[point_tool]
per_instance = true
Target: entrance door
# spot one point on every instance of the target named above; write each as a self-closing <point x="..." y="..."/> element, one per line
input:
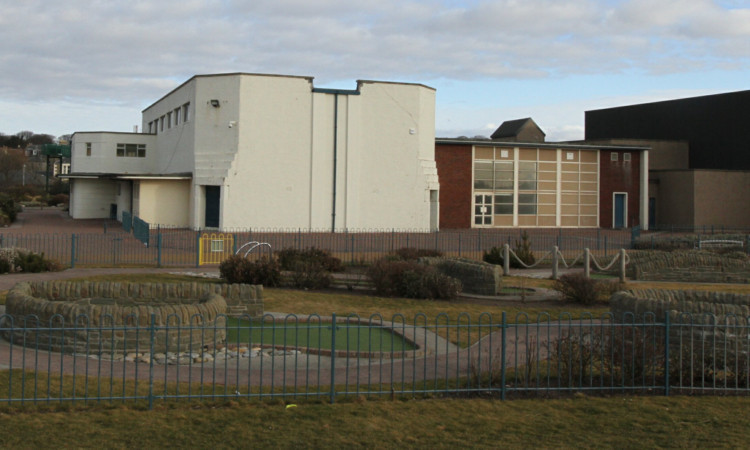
<point x="483" y="209"/>
<point x="620" y="210"/>
<point x="213" y="202"/>
<point x="651" y="212"/>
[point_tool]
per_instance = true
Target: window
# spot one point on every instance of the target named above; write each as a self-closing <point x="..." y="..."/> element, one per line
<point x="88" y="148"/>
<point x="614" y="156"/>
<point x="186" y="112"/>
<point x="526" y="203"/>
<point x="626" y="157"/>
<point x="483" y="209"/>
<point x="504" y="203"/>
<point x="131" y="150"/>
<point x="169" y="120"/>
<point x="526" y="176"/>
<point x="483" y="178"/>
<point x="161" y="123"/>
<point x="177" y="116"/>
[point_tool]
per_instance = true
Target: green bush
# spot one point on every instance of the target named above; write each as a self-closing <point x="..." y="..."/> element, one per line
<point x="577" y="288"/>
<point x="493" y="256"/>
<point x="309" y="274"/>
<point x="29" y="262"/>
<point x="238" y="269"/>
<point x="413" y="254"/>
<point x="412" y="280"/>
<point x="290" y="257"/>
<point x="524" y="253"/>
<point x="9" y="207"/>
<point x="4" y="266"/>
<point x="58" y="199"/>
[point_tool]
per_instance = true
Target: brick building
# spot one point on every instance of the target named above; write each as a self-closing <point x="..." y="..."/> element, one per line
<point x="699" y="165"/>
<point x="504" y="182"/>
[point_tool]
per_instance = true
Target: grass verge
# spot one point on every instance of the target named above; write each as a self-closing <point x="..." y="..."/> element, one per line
<point x="696" y="422"/>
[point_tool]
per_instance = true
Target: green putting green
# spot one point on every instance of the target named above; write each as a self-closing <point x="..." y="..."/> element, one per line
<point x="317" y="335"/>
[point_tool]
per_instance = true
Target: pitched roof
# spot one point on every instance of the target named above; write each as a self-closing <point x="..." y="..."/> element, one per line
<point x="511" y="128"/>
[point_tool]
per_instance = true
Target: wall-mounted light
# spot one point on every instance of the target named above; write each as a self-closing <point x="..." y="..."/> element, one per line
<point x="215" y="103"/>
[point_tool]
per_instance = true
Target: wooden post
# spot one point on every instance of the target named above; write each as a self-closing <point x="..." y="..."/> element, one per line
<point x="506" y="260"/>
<point x="554" y="263"/>
<point x="586" y="263"/>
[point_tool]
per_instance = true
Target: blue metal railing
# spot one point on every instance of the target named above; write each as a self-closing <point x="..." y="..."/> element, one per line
<point x="180" y="247"/>
<point x="141" y="230"/>
<point x="127" y="221"/>
<point x="294" y="357"/>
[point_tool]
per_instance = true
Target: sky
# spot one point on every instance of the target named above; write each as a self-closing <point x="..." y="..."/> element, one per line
<point x="77" y="65"/>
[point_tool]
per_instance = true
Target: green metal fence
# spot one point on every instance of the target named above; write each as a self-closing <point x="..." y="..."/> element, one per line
<point x="293" y="357"/>
<point x="180" y="247"/>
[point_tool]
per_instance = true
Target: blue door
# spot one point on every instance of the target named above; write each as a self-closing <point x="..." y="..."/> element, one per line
<point x="213" y="202"/>
<point x="620" y="210"/>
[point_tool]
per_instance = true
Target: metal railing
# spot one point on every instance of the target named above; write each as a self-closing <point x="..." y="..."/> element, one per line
<point x="307" y="357"/>
<point x="180" y="247"/>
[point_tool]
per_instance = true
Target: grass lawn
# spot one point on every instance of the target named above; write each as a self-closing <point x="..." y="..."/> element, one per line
<point x="585" y="422"/>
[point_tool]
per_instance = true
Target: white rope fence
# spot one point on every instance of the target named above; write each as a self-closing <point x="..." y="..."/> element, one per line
<point x="557" y="258"/>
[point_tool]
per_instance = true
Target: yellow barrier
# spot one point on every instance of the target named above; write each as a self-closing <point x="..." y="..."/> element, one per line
<point x="215" y="247"/>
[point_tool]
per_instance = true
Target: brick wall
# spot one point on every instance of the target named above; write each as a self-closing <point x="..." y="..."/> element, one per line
<point x="454" y="172"/>
<point x="619" y="176"/>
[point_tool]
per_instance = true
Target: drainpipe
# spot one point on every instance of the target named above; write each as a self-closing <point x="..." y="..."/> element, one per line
<point x="335" y="149"/>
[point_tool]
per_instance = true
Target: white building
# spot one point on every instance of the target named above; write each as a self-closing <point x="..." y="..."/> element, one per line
<point x="262" y="151"/>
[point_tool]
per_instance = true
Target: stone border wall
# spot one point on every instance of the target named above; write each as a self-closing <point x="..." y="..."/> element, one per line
<point x="693" y="265"/>
<point x="116" y="316"/>
<point x="697" y="307"/>
<point x="477" y="277"/>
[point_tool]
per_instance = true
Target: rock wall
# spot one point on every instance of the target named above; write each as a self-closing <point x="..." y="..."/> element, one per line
<point x="696" y="307"/>
<point x="477" y="277"/>
<point x="111" y="316"/>
<point x="693" y="265"/>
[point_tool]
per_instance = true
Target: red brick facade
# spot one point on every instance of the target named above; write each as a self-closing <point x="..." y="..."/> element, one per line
<point x="619" y="176"/>
<point x="454" y="172"/>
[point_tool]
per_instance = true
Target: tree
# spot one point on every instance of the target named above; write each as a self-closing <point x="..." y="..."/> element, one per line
<point x="40" y="139"/>
<point x="11" y="164"/>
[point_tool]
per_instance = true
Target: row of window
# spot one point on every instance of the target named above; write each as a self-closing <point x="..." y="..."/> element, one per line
<point x="125" y="150"/>
<point x="131" y="150"/>
<point x="181" y="114"/>
<point x="499" y="175"/>
<point x="614" y="156"/>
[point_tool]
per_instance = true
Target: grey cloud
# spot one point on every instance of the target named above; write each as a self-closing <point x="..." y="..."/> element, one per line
<point x="126" y="52"/>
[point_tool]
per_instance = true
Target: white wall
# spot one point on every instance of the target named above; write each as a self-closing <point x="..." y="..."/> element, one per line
<point x="175" y="144"/>
<point x="268" y="184"/>
<point x="91" y="199"/>
<point x="165" y="202"/>
<point x="104" y="157"/>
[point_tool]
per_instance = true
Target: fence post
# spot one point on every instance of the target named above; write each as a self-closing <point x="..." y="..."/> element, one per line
<point x="152" y="338"/>
<point x="198" y="248"/>
<point x="503" y="332"/>
<point x="333" y="358"/>
<point x="554" y="263"/>
<point x="158" y="249"/>
<point x="351" y="251"/>
<point x="666" y="354"/>
<point x="506" y="259"/>
<point x="72" y="251"/>
<point x="586" y="263"/>
<point x="622" y="265"/>
<point x="459" y="244"/>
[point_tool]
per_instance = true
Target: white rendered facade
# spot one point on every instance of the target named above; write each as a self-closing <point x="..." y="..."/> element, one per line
<point x="266" y="151"/>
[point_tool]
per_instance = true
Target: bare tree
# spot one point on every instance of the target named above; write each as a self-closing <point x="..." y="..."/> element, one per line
<point x="11" y="165"/>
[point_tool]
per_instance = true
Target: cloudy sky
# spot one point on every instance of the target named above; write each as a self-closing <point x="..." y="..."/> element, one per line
<point x="94" y="65"/>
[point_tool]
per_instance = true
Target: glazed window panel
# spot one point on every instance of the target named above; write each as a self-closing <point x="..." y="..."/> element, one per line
<point x="483" y="175"/>
<point x="131" y="150"/>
